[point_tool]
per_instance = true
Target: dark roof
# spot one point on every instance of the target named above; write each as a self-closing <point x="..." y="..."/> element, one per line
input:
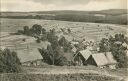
<point x="85" y="53"/>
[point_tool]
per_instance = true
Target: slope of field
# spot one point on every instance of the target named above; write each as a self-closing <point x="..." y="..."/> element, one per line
<point x="80" y="30"/>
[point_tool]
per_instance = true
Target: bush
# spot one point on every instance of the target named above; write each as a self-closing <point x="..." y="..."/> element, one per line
<point x="9" y="62"/>
<point x="37" y="29"/>
<point x="26" y="30"/>
<point x="20" y="32"/>
<point x="38" y="40"/>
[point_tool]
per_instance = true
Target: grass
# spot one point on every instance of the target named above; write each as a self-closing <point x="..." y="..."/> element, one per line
<point x="54" y="77"/>
<point x="65" y="73"/>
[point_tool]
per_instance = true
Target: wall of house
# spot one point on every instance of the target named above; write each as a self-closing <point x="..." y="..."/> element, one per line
<point x="26" y="64"/>
<point x="79" y="60"/>
<point x="91" y="61"/>
<point x="33" y="63"/>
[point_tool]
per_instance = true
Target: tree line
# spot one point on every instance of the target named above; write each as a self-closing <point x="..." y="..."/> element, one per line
<point x="112" y="19"/>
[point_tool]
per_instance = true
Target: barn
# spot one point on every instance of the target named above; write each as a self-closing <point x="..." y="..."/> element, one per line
<point x="81" y="57"/>
<point x="102" y="60"/>
<point x="31" y="57"/>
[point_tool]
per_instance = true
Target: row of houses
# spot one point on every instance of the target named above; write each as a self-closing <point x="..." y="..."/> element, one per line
<point x="32" y="57"/>
<point x="82" y="58"/>
<point x="86" y="57"/>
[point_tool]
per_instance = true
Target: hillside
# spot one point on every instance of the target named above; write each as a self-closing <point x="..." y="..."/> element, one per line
<point x="112" y="12"/>
<point x="113" y="16"/>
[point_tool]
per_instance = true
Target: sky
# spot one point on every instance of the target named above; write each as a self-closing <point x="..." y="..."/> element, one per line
<point x="48" y="5"/>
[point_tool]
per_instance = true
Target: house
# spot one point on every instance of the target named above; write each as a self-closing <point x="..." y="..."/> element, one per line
<point x="74" y="50"/>
<point x="81" y="57"/>
<point x="74" y="43"/>
<point x="31" y="57"/>
<point x="125" y="44"/>
<point x="102" y="60"/>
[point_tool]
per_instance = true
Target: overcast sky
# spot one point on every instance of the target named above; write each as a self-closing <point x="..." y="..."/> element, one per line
<point x="47" y="5"/>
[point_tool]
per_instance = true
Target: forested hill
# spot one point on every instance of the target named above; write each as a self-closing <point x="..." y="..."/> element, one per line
<point x="114" y="16"/>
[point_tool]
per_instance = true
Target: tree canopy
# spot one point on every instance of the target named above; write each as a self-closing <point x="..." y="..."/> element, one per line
<point x="115" y="45"/>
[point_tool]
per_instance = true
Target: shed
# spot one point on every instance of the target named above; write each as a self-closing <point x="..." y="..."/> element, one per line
<point x="30" y="57"/>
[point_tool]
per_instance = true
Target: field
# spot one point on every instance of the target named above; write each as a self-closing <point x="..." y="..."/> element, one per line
<point x="66" y="73"/>
<point x="80" y="30"/>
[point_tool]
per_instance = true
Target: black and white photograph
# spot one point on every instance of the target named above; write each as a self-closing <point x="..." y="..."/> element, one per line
<point x="63" y="40"/>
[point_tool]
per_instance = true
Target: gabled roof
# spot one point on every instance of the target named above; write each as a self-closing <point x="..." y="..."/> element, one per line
<point x="100" y="59"/>
<point x="85" y="53"/>
<point x="28" y="55"/>
<point x="104" y="58"/>
<point x="110" y="58"/>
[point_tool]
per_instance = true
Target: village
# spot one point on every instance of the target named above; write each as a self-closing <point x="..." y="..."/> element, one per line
<point x="63" y="40"/>
<point x="31" y="48"/>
